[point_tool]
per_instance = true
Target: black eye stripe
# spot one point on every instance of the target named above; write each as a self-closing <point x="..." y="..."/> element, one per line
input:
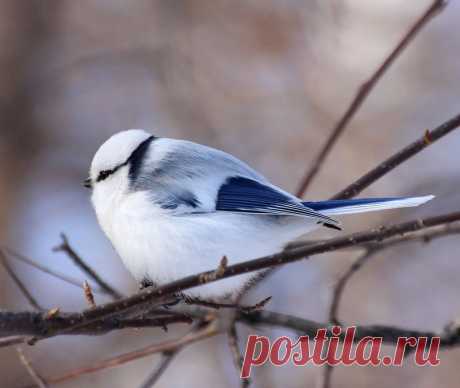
<point x="135" y="159"/>
<point x="104" y="174"/>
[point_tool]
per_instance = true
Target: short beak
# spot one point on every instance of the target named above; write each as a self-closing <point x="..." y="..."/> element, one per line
<point x="87" y="183"/>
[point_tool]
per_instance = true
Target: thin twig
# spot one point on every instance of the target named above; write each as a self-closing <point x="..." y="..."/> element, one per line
<point x="38" y="380"/>
<point x="166" y="359"/>
<point x="70" y="280"/>
<point x="232" y="339"/>
<point x="364" y="90"/>
<point x="19" y="283"/>
<point x="209" y="331"/>
<point x="369" y="252"/>
<point x="79" y="262"/>
<point x="397" y="159"/>
<point x="12" y="340"/>
<point x="161" y="294"/>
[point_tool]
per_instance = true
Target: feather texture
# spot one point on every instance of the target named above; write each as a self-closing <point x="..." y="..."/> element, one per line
<point x="243" y="195"/>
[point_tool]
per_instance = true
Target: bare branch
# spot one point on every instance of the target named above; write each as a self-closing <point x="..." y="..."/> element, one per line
<point x="370" y="251"/>
<point x="89" y="294"/>
<point x="38" y="380"/>
<point x="218" y="305"/>
<point x="161" y="294"/>
<point x="365" y="89"/>
<point x="449" y="337"/>
<point x="400" y="157"/>
<point x="232" y="337"/>
<point x="79" y="262"/>
<point x="17" y="256"/>
<point x="27" y="294"/>
<point x="40" y="324"/>
<point x="12" y="340"/>
<point x="166" y="359"/>
<point x="209" y="330"/>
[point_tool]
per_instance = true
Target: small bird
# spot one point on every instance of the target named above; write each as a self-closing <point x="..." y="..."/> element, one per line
<point x="172" y="208"/>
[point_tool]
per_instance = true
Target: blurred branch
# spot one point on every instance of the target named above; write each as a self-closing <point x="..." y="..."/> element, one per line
<point x="232" y="339"/>
<point x="208" y="331"/>
<point x="38" y="380"/>
<point x="450" y="337"/>
<point x="17" y="256"/>
<point x="166" y="359"/>
<point x="369" y="252"/>
<point x="397" y="159"/>
<point x="27" y="294"/>
<point x="12" y="340"/>
<point x="80" y="263"/>
<point x="365" y="89"/>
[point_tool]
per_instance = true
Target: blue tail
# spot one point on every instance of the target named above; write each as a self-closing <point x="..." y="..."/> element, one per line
<point x="352" y="206"/>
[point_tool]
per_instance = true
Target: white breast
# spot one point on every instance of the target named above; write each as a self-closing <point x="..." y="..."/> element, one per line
<point x="162" y="247"/>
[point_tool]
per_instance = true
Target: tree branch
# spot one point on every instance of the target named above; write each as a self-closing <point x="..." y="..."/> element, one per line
<point x="364" y="90"/>
<point x="17" y="256"/>
<point x="161" y="294"/>
<point x="38" y="380"/>
<point x="400" y="157"/>
<point x="80" y="263"/>
<point x="166" y="359"/>
<point x="27" y="294"/>
<point x="449" y="337"/>
<point x="39" y="324"/>
<point x="209" y="330"/>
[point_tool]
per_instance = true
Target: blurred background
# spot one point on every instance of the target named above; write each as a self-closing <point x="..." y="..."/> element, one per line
<point x="265" y="81"/>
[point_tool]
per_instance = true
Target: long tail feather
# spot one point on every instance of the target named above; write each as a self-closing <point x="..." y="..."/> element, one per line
<point x="353" y="206"/>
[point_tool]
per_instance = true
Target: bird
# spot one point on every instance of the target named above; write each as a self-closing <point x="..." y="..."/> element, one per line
<point x="173" y="208"/>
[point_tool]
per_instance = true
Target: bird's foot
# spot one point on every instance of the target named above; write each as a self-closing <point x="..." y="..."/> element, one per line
<point x="146" y="283"/>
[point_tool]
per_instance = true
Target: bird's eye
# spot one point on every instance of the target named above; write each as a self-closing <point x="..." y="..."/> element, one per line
<point x="103" y="175"/>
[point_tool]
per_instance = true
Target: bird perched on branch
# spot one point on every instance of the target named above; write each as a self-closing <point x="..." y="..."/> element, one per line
<point x="173" y="208"/>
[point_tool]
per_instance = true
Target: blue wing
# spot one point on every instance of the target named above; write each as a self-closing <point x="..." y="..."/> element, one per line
<point x="243" y="195"/>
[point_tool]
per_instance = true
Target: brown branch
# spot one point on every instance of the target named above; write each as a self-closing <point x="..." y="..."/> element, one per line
<point x="370" y="251"/>
<point x="161" y="294"/>
<point x="219" y="305"/>
<point x="79" y="262"/>
<point x="40" y="324"/>
<point x="365" y="89"/>
<point x="166" y="359"/>
<point x="232" y="339"/>
<point x="12" y="340"/>
<point x="38" y="380"/>
<point x="209" y="330"/>
<point x="19" y="283"/>
<point x="450" y="337"/>
<point x="397" y="159"/>
<point x="17" y="256"/>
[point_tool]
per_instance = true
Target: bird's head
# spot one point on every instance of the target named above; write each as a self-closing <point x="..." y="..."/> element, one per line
<point x="123" y="152"/>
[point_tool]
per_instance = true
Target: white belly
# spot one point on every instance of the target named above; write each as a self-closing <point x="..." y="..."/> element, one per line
<point x="163" y="247"/>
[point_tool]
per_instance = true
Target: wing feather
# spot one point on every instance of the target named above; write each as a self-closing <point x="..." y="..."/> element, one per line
<point x="243" y="195"/>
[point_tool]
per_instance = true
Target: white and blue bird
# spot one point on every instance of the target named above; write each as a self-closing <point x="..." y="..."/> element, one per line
<point x="172" y="208"/>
